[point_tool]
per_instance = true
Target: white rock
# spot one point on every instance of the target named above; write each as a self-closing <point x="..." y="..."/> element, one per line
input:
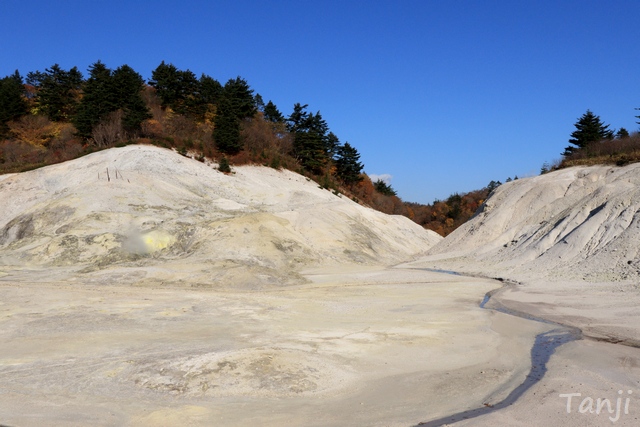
<point x="164" y="216"/>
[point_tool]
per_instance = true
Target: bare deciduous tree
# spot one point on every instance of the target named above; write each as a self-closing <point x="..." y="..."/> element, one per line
<point x="109" y="130"/>
<point x="262" y="137"/>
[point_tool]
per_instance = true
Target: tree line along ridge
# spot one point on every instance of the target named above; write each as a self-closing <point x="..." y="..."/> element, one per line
<point x="55" y="115"/>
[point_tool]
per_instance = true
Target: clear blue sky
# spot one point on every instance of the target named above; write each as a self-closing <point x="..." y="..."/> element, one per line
<point x="444" y="96"/>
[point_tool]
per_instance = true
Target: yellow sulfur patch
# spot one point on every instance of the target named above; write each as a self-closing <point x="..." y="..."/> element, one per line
<point x="157" y="240"/>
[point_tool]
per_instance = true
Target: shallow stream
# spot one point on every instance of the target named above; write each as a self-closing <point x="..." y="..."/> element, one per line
<point x="544" y="346"/>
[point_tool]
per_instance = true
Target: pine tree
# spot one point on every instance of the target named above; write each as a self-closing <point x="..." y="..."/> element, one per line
<point x="493" y="185"/>
<point x="190" y="100"/>
<point x="272" y="114"/>
<point x="310" y="151"/>
<point x="589" y="129"/>
<point x="315" y="151"/>
<point x="240" y="95"/>
<point x="107" y="91"/>
<point x="178" y="90"/>
<point x="100" y="98"/>
<point x="210" y="89"/>
<point x="384" y="188"/>
<point x="226" y="132"/>
<point x="235" y="104"/>
<point x="224" y="166"/>
<point x="348" y="167"/>
<point x="333" y="144"/>
<point x="298" y="118"/>
<point x="12" y="102"/>
<point x="128" y="86"/>
<point x="310" y="143"/>
<point x="259" y="103"/>
<point x="57" y="91"/>
<point x="166" y="82"/>
<point x="210" y="92"/>
<point x="622" y="133"/>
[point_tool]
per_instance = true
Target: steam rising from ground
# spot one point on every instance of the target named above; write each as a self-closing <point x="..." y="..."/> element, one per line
<point x="147" y="243"/>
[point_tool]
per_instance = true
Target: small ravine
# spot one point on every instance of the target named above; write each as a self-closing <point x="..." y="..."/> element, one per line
<point x="544" y="346"/>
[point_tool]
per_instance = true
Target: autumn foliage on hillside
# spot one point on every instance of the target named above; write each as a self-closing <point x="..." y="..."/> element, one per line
<point x="446" y="215"/>
<point x="58" y="115"/>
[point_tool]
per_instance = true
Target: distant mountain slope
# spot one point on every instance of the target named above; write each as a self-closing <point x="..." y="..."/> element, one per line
<point x="576" y="223"/>
<point x="143" y="214"/>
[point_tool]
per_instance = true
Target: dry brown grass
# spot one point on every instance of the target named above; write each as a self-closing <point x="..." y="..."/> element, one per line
<point x="619" y="152"/>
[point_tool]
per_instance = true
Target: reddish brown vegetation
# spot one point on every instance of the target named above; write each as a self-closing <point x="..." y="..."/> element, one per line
<point x="445" y="216"/>
<point x="36" y="141"/>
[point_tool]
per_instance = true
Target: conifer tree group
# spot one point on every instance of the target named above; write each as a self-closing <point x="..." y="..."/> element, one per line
<point x="384" y="188"/>
<point x="111" y="100"/>
<point x="107" y="91"/>
<point x="589" y="129"/>
<point x="310" y="138"/>
<point x="236" y="103"/>
<point x="12" y="102"/>
<point x="348" y="166"/>
<point x="58" y="91"/>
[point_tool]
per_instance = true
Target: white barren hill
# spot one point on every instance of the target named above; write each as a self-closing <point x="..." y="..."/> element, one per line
<point x="569" y="239"/>
<point x="581" y="223"/>
<point x="141" y="214"/>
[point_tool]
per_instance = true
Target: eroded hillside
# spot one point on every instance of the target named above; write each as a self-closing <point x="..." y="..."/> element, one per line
<point x="576" y="223"/>
<point x="142" y="214"/>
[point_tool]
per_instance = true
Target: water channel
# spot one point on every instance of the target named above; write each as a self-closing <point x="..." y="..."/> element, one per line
<point x="543" y="347"/>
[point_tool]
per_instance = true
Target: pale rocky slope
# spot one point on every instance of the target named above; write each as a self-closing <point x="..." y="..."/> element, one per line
<point x="569" y="239"/>
<point x="579" y="223"/>
<point x="144" y="215"/>
<point x="357" y="344"/>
